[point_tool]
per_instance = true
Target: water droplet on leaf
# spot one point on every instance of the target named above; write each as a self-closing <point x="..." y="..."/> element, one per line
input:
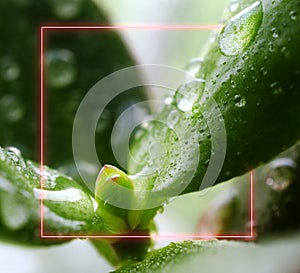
<point x="14" y="150"/>
<point x="263" y="71"/>
<point x="188" y="93"/>
<point x="168" y="100"/>
<point x="275" y="32"/>
<point x="239" y="101"/>
<point x="282" y="174"/>
<point x="276" y="88"/>
<point x="271" y="47"/>
<point x="234" y="5"/>
<point x="233" y="84"/>
<point x="193" y="66"/>
<point x="240" y="30"/>
<point x="293" y="15"/>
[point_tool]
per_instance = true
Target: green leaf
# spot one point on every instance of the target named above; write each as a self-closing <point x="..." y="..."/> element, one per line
<point x="221" y="256"/>
<point x="67" y="208"/>
<point x="256" y="92"/>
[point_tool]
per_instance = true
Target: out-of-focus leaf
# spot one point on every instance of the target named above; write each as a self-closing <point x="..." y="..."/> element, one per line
<point x="221" y="256"/>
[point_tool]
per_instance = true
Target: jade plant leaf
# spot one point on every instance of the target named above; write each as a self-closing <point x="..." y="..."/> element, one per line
<point x="220" y="256"/>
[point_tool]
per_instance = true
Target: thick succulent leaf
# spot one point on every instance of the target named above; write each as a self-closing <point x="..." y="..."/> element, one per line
<point x="67" y="209"/>
<point x="250" y="89"/>
<point x="221" y="256"/>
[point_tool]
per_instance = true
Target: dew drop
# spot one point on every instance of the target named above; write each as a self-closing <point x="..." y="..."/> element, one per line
<point x="275" y="32"/>
<point x="293" y="15"/>
<point x="12" y="109"/>
<point x="245" y="56"/>
<point x="285" y="52"/>
<point x="240" y="30"/>
<point x="9" y="69"/>
<point x="66" y="9"/>
<point x="14" y="150"/>
<point x="234" y="5"/>
<point x="276" y="89"/>
<point x="254" y="79"/>
<point x="263" y="71"/>
<point x="193" y="66"/>
<point x="281" y="174"/>
<point x="233" y="84"/>
<point x="271" y="47"/>
<point x="188" y="93"/>
<point x="239" y="101"/>
<point x="61" y="70"/>
<point x="168" y="100"/>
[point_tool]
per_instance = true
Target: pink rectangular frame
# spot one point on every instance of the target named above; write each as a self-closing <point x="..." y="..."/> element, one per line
<point x="43" y="30"/>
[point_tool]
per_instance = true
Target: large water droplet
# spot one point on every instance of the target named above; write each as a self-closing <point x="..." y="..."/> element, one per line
<point x="239" y="101"/>
<point x="240" y="30"/>
<point x="188" y="93"/>
<point x="168" y="100"/>
<point x="193" y="66"/>
<point x="12" y="109"/>
<point x="9" y="69"/>
<point x="61" y="69"/>
<point x="282" y="173"/>
<point x="66" y="9"/>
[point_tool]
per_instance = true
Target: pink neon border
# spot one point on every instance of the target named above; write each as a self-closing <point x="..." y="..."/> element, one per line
<point x="250" y="236"/>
